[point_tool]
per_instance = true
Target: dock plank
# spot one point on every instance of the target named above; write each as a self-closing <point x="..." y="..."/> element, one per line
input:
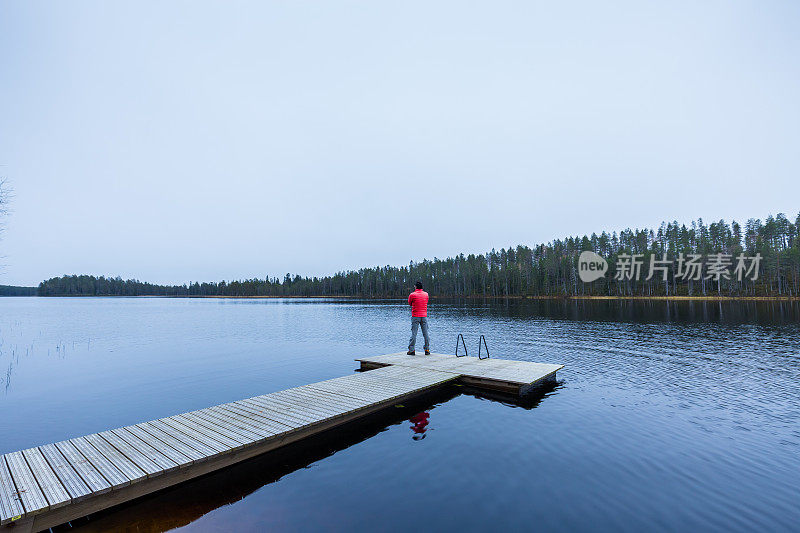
<point x="73" y="483"/>
<point x="315" y="405"/>
<point x="142" y="460"/>
<point x="276" y="411"/>
<point x="119" y="459"/>
<point x="343" y="385"/>
<point x="57" y="496"/>
<point x="262" y="429"/>
<point x="370" y="384"/>
<point x="268" y="412"/>
<point x="174" y="426"/>
<point x="308" y="411"/>
<point x="10" y="504"/>
<point x="176" y="456"/>
<point x="188" y="428"/>
<point x="111" y="473"/>
<point x="341" y="402"/>
<point x="32" y="497"/>
<point x="231" y="423"/>
<point x="257" y="418"/>
<point x="218" y="432"/>
<point x="90" y="475"/>
<point x="274" y="403"/>
<point x="354" y="392"/>
<point x="188" y="446"/>
<point x="378" y="386"/>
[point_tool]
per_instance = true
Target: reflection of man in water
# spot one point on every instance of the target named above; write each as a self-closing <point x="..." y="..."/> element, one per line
<point x="420" y="421"/>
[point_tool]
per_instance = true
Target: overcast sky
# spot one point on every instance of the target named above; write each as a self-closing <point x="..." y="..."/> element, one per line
<point x="186" y="141"/>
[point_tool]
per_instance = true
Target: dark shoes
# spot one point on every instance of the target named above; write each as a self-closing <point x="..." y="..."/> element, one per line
<point x="427" y="352"/>
<point x="411" y="352"/>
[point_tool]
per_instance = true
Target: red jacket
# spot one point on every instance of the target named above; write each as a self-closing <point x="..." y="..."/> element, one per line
<point x="418" y="300"/>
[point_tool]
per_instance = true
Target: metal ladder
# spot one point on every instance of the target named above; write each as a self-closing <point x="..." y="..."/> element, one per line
<point x="481" y="340"/>
<point x="460" y="336"/>
<point x="484" y="345"/>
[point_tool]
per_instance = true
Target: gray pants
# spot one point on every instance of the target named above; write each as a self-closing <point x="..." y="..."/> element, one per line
<point x="416" y="322"/>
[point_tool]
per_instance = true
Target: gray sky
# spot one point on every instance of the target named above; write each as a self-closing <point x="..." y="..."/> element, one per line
<point x="177" y="141"/>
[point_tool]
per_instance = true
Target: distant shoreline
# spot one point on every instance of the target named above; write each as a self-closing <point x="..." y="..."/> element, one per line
<point x="515" y="297"/>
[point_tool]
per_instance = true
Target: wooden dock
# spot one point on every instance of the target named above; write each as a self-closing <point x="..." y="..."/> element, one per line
<point x="513" y="377"/>
<point x="49" y="485"/>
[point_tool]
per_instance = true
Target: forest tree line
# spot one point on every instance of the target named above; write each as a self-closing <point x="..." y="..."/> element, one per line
<point x="12" y="290"/>
<point x="543" y="270"/>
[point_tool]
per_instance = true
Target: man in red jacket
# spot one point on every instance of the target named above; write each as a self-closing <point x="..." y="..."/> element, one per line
<point x="418" y="300"/>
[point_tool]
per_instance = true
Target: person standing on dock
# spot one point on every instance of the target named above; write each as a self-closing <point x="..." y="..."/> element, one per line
<point x="418" y="300"/>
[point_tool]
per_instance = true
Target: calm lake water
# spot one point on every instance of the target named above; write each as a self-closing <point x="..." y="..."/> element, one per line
<point x="667" y="416"/>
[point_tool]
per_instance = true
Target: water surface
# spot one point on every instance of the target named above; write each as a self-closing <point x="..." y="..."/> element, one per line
<point x="668" y="416"/>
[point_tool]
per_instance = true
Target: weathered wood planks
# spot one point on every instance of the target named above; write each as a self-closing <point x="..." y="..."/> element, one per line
<point x="52" y="479"/>
<point x="88" y="473"/>
<point x="27" y="490"/>
<point x="69" y="478"/>
<point x="53" y="490"/>
<point x="502" y="371"/>
<point x="10" y="503"/>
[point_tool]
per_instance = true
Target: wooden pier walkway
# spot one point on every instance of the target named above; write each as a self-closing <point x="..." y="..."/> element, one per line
<point x="52" y="484"/>
<point x="514" y="377"/>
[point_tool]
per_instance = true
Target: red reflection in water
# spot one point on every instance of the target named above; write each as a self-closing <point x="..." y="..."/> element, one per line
<point x="420" y="421"/>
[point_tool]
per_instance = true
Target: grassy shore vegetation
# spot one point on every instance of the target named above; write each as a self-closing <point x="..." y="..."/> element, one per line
<point x="545" y="270"/>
